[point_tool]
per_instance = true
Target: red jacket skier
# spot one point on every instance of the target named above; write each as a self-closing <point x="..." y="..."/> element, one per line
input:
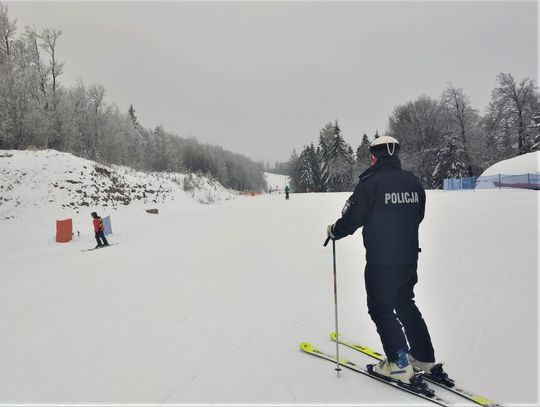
<point x="99" y="231"/>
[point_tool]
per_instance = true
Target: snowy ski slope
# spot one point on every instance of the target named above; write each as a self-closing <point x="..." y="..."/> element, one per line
<point x="276" y="181"/>
<point x="208" y="303"/>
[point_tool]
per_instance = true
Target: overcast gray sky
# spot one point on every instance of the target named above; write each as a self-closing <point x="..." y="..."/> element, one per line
<point x="263" y="78"/>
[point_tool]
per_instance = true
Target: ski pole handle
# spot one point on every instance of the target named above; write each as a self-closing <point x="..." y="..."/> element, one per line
<point x="326" y="241"/>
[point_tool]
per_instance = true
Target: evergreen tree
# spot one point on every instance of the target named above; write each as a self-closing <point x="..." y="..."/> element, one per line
<point x="132" y="117"/>
<point x="340" y="164"/>
<point x="325" y="142"/>
<point x="362" y="157"/>
<point x="306" y="171"/>
<point x="314" y="154"/>
<point x="294" y="172"/>
<point x="310" y="170"/>
<point x="452" y="161"/>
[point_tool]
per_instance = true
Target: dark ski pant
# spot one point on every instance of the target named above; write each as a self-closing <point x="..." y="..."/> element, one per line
<point x="100" y="238"/>
<point x="390" y="293"/>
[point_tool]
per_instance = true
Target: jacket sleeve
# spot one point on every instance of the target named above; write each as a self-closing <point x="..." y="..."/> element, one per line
<point x="352" y="215"/>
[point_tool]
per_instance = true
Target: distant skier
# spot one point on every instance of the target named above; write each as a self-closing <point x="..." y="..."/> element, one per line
<point x="99" y="231"/>
<point x="389" y="203"/>
<point x="286" y="192"/>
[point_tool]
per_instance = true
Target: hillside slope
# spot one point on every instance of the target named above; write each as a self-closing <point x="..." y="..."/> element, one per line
<point x="66" y="184"/>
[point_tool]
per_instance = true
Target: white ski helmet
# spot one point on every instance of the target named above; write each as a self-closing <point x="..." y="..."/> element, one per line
<point x="384" y="145"/>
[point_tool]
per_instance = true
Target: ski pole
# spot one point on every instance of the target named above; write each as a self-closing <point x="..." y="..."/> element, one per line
<point x="326" y="241"/>
<point x="338" y="368"/>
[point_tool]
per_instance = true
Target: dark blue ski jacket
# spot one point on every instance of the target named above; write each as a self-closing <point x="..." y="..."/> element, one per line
<point x="389" y="203"/>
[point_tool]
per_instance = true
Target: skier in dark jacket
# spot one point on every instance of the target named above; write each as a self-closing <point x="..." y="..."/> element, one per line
<point x="99" y="231"/>
<point x="388" y="203"/>
<point x="287" y="192"/>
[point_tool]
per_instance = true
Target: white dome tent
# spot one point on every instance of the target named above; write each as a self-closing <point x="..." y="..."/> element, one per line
<point x="522" y="171"/>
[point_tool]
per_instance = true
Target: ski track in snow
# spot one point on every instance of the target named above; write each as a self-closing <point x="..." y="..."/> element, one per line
<point x="495" y="303"/>
<point x="201" y="373"/>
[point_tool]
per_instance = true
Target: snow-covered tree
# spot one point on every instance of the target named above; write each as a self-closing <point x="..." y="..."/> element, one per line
<point x="132" y="117"/>
<point x="362" y="156"/>
<point x="464" y="121"/>
<point x="36" y="111"/>
<point x="294" y="172"/>
<point x="306" y="171"/>
<point x="452" y="161"/>
<point x="420" y="127"/>
<point x="314" y="159"/>
<point x="325" y="141"/>
<point x="518" y="103"/>
<point x="310" y="170"/>
<point x="535" y="133"/>
<point x="340" y="162"/>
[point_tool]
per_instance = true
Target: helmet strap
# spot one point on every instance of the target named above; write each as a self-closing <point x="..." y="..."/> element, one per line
<point x="393" y="148"/>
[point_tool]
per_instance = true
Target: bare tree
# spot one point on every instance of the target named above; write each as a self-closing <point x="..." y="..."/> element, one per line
<point x="7" y="31"/>
<point x="463" y="119"/>
<point x="36" y="67"/>
<point x="421" y="126"/>
<point x="49" y="38"/>
<point x="519" y="103"/>
<point x="96" y="97"/>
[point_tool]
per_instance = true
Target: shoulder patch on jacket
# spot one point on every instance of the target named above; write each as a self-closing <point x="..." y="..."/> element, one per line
<point x="346" y="207"/>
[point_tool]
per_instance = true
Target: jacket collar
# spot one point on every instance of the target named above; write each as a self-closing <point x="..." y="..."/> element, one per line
<point x="391" y="162"/>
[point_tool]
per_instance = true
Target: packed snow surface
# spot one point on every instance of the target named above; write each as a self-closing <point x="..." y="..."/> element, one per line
<point x="522" y="164"/>
<point x="208" y="303"/>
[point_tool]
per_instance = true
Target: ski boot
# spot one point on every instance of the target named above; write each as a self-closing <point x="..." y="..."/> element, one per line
<point x="401" y="372"/>
<point x="433" y="371"/>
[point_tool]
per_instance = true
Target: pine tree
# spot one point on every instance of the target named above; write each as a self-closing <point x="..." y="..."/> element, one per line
<point x="362" y="156"/>
<point x="314" y="154"/>
<point x="294" y="172"/>
<point x="306" y="171"/>
<point x="340" y="164"/>
<point x="325" y="141"/>
<point x="132" y="117"/>
<point x="452" y="161"/>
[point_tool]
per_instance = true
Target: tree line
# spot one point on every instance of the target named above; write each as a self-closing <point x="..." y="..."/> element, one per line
<point x="440" y="138"/>
<point x="37" y="111"/>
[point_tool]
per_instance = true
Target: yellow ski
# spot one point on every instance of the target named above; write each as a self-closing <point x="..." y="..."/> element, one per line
<point x="469" y="395"/>
<point x="310" y="349"/>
